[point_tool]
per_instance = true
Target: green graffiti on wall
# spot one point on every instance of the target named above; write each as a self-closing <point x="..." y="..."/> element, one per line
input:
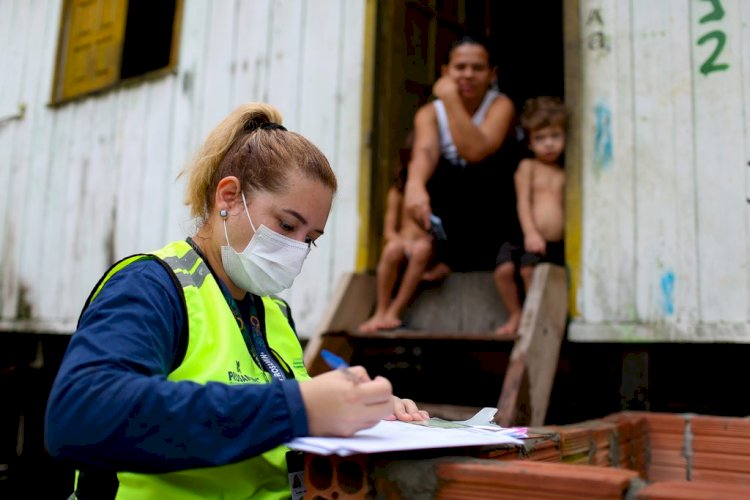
<point x="717" y="14"/>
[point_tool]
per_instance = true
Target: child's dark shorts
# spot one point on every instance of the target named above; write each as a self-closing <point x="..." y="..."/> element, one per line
<point x="509" y="252"/>
<point x="514" y="253"/>
<point x="554" y="254"/>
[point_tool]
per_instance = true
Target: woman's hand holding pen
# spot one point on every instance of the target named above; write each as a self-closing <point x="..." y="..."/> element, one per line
<point x="341" y="402"/>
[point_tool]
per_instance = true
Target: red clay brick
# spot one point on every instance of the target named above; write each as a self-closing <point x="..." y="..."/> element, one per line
<point x="709" y="443"/>
<point x="545" y="479"/>
<point x="658" y="473"/>
<point x="732" y="427"/>
<point x="696" y="490"/>
<point x="721" y="476"/>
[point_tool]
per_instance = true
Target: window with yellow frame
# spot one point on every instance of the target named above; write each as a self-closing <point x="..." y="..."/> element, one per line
<point x="104" y="42"/>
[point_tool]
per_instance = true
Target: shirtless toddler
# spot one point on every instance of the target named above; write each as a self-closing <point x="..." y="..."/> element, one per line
<point x="540" y="193"/>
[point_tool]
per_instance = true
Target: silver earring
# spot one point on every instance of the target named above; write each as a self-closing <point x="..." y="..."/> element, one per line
<point x="223" y="213"/>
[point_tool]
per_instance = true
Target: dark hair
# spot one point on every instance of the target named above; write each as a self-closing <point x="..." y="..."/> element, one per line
<point x="472" y="39"/>
<point x="543" y="111"/>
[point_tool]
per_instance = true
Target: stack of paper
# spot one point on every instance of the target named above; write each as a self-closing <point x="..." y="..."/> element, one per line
<point x="398" y="436"/>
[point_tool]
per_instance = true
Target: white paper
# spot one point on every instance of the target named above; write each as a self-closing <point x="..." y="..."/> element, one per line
<point x="398" y="436"/>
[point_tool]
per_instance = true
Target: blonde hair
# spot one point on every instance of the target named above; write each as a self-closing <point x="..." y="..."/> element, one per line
<point x="251" y="145"/>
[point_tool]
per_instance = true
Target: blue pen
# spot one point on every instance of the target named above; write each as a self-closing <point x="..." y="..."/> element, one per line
<point x="335" y="362"/>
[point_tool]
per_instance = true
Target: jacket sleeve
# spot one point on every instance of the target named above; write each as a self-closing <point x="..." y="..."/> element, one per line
<point x="112" y="407"/>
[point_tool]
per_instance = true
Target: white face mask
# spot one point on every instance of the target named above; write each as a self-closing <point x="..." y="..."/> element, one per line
<point x="269" y="263"/>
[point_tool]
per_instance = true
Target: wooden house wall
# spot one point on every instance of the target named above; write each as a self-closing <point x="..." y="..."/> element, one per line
<point x="665" y="187"/>
<point x="93" y="180"/>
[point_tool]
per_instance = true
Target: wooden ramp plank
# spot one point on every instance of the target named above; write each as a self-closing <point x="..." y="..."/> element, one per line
<point x="529" y="378"/>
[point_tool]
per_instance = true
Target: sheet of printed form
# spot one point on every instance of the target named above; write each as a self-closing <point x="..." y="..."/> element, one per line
<point x="389" y="435"/>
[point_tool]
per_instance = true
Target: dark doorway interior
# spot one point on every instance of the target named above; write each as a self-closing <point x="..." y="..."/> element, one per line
<point x="413" y="38"/>
<point x="529" y="48"/>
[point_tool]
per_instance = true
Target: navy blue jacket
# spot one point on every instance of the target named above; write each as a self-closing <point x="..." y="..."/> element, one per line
<point x="111" y="406"/>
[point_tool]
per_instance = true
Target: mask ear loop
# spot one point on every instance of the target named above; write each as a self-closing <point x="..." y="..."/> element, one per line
<point x="244" y="202"/>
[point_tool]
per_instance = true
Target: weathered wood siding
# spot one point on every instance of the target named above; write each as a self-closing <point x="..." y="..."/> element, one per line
<point x="665" y="143"/>
<point x="94" y="180"/>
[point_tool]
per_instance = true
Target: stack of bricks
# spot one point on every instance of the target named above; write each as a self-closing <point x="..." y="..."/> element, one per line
<point x="624" y="455"/>
<point x="698" y="448"/>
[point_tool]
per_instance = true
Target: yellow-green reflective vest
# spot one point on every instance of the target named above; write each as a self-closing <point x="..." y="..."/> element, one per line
<point x="216" y="352"/>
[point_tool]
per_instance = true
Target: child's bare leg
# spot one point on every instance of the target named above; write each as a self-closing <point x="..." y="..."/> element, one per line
<point x="390" y="261"/>
<point x="421" y="252"/>
<point x="506" y="286"/>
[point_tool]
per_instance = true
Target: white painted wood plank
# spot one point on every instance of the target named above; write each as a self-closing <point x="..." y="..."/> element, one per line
<point x="252" y="61"/>
<point x="184" y="125"/>
<point x="319" y="94"/>
<point x="72" y="217"/>
<point x="156" y="179"/>
<point x="349" y="141"/>
<point x="11" y="11"/>
<point x="52" y="209"/>
<point x="656" y="194"/>
<point x="287" y="46"/>
<point x="131" y="168"/>
<point x="720" y="168"/>
<point x="622" y="253"/>
<point x="680" y="290"/>
<point x="32" y="147"/>
<point x="579" y="331"/>
<point x="744" y="8"/>
<point x="218" y="65"/>
<point x="93" y="215"/>
<point x="601" y="42"/>
<point x="199" y="33"/>
<point x="14" y="178"/>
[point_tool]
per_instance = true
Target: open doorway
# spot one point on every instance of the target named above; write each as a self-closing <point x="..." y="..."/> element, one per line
<point x="413" y="38"/>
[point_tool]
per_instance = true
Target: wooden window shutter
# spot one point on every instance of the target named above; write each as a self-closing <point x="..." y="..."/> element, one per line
<point x="92" y="46"/>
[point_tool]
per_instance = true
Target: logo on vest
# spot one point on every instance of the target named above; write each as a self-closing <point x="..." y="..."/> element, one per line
<point x="237" y="377"/>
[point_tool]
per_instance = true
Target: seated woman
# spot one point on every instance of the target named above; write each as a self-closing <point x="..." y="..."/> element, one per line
<point x="462" y="165"/>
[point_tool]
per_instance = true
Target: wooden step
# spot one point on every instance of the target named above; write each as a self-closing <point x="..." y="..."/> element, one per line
<point x="455" y="319"/>
<point x="413" y="334"/>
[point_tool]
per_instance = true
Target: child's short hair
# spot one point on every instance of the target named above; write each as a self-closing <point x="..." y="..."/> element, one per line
<point x="544" y="111"/>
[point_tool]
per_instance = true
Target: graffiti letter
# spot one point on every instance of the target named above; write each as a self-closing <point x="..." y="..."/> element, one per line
<point x="709" y="66"/>
<point x="715" y="15"/>
<point x="597" y="41"/>
<point x="594" y="15"/>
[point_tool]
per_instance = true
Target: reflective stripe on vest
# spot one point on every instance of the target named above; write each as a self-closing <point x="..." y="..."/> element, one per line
<point x="216" y="352"/>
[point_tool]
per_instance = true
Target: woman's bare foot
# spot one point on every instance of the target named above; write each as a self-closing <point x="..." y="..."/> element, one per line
<point x="437" y="272"/>
<point x="510" y="327"/>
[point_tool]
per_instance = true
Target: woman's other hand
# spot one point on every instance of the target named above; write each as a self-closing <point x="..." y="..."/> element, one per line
<point x="342" y="402"/>
<point x="406" y="410"/>
<point x="445" y="87"/>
